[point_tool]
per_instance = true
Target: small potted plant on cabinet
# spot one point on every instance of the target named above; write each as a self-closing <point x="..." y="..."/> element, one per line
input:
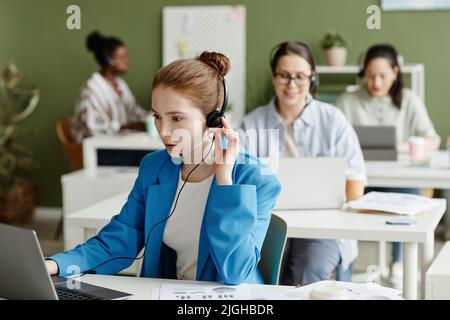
<point x="335" y="46"/>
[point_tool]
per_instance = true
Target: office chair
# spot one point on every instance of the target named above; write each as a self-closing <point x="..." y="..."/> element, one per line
<point x="272" y="250"/>
<point x="72" y="150"/>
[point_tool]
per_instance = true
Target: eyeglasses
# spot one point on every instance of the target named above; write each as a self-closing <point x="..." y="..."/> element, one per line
<point x="285" y="79"/>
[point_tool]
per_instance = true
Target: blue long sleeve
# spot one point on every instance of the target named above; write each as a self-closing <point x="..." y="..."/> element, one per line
<point x="237" y="221"/>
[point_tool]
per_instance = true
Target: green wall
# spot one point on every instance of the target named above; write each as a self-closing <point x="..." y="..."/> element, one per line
<point x="33" y="33"/>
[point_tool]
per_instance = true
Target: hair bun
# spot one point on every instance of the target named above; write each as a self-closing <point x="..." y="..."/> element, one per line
<point x="216" y="60"/>
<point x="94" y="41"/>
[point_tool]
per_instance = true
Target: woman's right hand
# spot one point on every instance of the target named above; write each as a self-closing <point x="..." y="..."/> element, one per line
<point x="52" y="267"/>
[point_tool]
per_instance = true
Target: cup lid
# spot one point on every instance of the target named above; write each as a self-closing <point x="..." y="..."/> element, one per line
<point x="356" y="176"/>
<point x="415" y="139"/>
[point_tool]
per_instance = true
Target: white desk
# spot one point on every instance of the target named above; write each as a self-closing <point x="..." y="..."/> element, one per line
<point x="340" y="224"/>
<point x="397" y="174"/>
<point x="81" y="190"/>
<point x="317" y="224"/>
<point x="141" y="288"/>
<point x="380" y="173"/>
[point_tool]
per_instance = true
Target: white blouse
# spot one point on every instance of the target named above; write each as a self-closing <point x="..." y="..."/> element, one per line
<point x="100" y="110"/>
<point x="182" y="231"/>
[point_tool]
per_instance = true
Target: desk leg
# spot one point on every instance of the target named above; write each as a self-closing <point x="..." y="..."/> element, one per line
<point x="382" y="258"/>
<point x="427" y="258"/>
<point x="410" y="270"/>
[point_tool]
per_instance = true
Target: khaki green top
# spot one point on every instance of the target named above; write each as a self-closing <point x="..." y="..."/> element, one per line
<point x="411" y="119"/>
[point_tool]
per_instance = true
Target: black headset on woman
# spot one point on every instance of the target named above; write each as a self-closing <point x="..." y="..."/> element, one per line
<point x="213" y="118"/>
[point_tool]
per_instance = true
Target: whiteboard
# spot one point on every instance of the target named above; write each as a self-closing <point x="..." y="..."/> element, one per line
<point x="190" y="30"/>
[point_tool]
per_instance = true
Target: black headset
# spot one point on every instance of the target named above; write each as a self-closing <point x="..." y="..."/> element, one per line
<point x="213" y="118"/>
<point x="314" y="78"/>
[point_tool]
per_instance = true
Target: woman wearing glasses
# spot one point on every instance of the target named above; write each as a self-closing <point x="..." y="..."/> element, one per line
<point x="305" y="127"/>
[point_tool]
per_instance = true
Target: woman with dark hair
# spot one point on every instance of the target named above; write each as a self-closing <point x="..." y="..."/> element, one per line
<point x="382" y="100"/>
<point x="106" y="104"/>
<point x="304" y="127"/>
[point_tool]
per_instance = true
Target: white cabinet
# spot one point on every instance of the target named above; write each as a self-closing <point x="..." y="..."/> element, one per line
<point x="415" y="71"/>
<point x="438" y="276"/>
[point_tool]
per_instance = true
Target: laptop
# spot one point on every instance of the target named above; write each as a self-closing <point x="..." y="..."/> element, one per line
<point x="377" y="142"/>
<point x="309" y="183"/>
<point x="23" y="274"/>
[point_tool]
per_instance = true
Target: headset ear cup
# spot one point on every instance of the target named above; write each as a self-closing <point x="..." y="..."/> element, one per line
<point x="213" y="119"/>
<point x="314" y="83"/>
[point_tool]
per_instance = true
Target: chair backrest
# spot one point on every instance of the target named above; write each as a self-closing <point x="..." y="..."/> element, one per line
<point x="272" y="250"/>
<point x="72" y="149"/>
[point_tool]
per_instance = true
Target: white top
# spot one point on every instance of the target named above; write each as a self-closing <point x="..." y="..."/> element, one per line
<point x="99" y="109"/>
<point x="182" y="230"/>
<point x="290" y="149"/>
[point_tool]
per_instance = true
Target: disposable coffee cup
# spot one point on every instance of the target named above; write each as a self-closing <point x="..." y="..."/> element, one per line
<point x="354" y="186"/>
<point x="417" y="150"/>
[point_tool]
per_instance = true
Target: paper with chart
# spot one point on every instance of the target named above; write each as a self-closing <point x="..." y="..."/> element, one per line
<point x="391" y="202"/>
<point x="203" y="292"/>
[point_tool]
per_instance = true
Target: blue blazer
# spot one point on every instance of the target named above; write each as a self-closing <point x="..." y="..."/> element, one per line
<point x="234" y="225"/>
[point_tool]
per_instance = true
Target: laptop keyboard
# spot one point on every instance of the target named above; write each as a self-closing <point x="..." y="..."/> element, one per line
<point x="68" y="294"/>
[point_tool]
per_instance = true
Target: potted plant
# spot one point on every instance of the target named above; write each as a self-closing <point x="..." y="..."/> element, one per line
<point x="17" y="195"/>
<point x="335" y="47"/>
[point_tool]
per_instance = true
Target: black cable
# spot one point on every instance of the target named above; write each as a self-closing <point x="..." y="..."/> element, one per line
<point x="92" y="270"/>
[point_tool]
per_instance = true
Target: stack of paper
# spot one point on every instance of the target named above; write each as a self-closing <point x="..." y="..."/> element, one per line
<point x="399" y="203"/>
<point x="356" y="291"/>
